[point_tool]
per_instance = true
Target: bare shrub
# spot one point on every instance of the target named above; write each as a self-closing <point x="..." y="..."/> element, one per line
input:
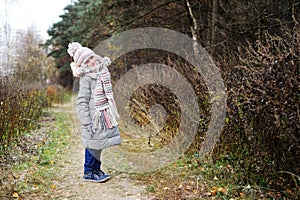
<point x="20" y="107"/>
<point x="262" y="133"/>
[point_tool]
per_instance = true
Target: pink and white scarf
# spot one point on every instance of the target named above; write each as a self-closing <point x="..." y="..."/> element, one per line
<point x="106" y="114"/>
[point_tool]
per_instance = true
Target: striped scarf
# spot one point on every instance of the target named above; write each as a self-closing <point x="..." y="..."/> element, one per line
<point x="106" y="110"/>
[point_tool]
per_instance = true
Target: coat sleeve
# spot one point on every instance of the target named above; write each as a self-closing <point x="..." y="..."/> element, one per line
<point x="83" y="99"/>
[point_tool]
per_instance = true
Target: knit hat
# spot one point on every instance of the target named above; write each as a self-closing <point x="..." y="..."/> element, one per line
<point x="79" y="53"/>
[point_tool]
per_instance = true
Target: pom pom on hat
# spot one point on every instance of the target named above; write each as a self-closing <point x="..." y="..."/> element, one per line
<point x="72" y="47"/>
<point x="79" y="53"/>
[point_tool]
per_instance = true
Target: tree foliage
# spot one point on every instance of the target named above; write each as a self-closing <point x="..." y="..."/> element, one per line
<point x="31" y="61"/>
<point x="89" y="22"/>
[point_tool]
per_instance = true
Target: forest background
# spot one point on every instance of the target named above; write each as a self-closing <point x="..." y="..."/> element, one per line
<point x="254" y="44"/>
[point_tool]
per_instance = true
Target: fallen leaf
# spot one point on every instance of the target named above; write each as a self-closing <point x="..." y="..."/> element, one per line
<point x="188" y="187"/>
<point x="289" y="191"/>
<point x="214" y="192"/>
<point x="35" y="187"/>
<point x="278" y="195"/>
<point x="222" y="190"/>
<point x="208" y="194"/>
<point x="166" y="188"/>
<point x="15" y="195"/>
<point x="215" y="178"/>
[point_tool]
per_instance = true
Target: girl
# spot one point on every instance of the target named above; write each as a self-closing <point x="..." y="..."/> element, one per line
<point x="96" y="108"/>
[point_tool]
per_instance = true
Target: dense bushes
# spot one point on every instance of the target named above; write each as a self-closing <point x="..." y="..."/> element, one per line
<point x="21" y="105"/>
<point x="261" y="138"/>
<point x="56" y="94"/>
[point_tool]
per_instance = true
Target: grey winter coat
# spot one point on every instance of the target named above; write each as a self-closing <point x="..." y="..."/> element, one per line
<point x="86" y="111"/>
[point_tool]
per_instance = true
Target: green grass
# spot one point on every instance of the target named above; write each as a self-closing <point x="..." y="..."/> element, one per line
<point x="191" y="177"/>
<point x="42" y="169"/>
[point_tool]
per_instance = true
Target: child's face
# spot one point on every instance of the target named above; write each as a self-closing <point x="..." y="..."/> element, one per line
<point x="91" y="62"/>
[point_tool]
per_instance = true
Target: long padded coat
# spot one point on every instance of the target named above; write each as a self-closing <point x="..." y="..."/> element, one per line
<point x="86" y="111"/>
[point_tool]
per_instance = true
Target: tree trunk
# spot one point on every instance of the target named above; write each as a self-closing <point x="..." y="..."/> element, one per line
<point x="213" y="26"/>
<point x="194" y="26"/>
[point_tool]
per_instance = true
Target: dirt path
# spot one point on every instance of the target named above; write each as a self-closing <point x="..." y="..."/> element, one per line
<point x="120" y="187"/>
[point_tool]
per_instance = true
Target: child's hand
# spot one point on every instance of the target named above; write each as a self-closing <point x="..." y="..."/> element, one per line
<point x="88" y="130"/>
<point x="75" y="70"/>
<point x="106" y="61"/>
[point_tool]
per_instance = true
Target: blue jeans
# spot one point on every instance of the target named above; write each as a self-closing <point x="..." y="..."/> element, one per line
<point x="92" y="159"/>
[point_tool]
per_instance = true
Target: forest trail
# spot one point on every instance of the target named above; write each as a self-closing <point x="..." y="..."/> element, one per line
<point x="120" y="187"/>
